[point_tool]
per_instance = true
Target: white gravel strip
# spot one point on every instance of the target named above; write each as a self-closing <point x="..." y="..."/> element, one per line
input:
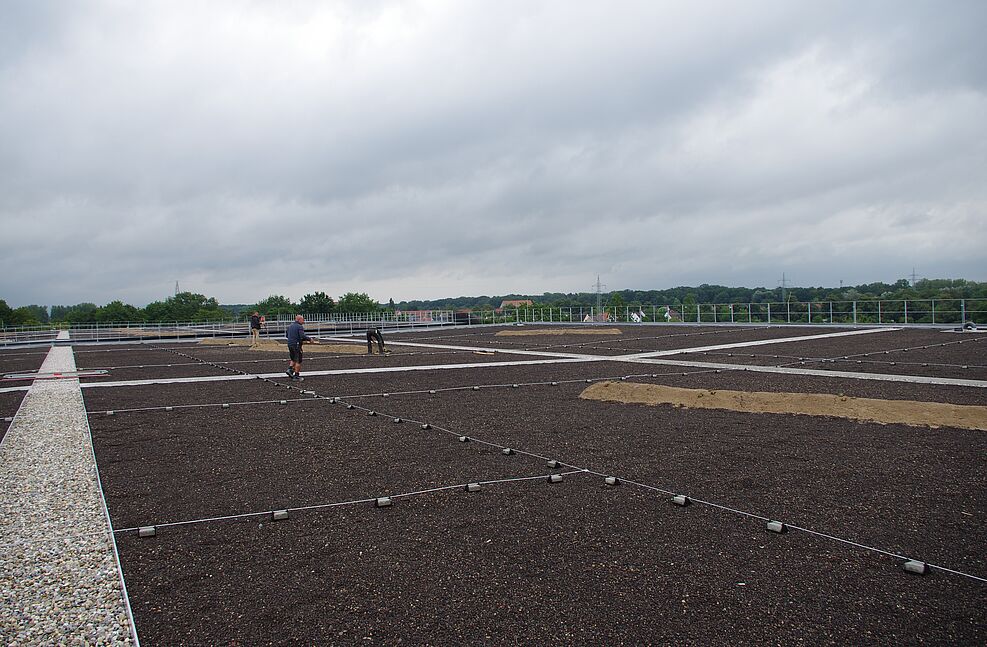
<point x="59" y="578"/>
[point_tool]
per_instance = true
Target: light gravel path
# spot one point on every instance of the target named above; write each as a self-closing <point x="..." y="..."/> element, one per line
<point x="59" y="578"/>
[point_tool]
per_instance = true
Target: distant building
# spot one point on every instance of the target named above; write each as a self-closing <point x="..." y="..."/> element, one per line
<point x="515" y="303"/>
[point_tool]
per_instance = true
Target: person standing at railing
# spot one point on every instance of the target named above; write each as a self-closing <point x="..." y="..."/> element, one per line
<point x="296" y="337"/>
<point x="255" y="323"/>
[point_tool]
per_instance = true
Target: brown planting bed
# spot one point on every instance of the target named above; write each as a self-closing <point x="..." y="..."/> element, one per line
<point x="529" y="561"/>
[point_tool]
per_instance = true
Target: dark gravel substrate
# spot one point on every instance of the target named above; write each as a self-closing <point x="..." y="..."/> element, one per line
<point x="133" y="357"/>
<point x="126" y="397"/>
<point x="633" y="339"/>
<point x="14" y="361"/>
<point x="98" y="399"/>
<point x="156" y="372"/>
<point x="530" y="563"/>
<point x="269" y="362"/>
<point x="878" y="342"/>
<point x="9" y="404"/>
<point x="919" y="491"/>
<point x="263" y="457"/>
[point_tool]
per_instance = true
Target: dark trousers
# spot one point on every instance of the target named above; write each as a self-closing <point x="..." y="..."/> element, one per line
<point x="372" y="334"/>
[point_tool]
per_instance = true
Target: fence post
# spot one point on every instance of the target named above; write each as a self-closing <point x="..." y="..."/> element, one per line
<point x="879" y="312"/>
<point x="962" y="311"/>
<point x="830" y="312"/>
<point x="854" y="313"/>
<point x="788" y="306"/>
<point x="933" y="312"/>
<point x="906" y="310"/>
<point x="769" y="313"/>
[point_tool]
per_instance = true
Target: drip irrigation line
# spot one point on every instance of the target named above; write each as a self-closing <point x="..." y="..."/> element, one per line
<point x="202" y="405"/>
<point x="342" y="398"/>
<point x="338" y="504"/>
<point x="790" y="526"/>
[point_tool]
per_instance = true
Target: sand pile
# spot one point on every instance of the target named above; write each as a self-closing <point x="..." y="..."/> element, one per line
<point x="906" y="412"/>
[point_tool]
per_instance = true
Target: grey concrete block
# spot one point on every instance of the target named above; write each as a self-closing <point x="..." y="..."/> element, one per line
<point x="681" y="499"/>
<point x="776" y="526"/>
<point x="555" y="478"/>
<point x="507" y="451"/>
<point x="473" y="487"/>
<point x="147" y="531"/>
<point x="611" y="480"/>
<point x="553" y="464"/>
<point x="382" y="502"/>
<point x="279" y="515"/>
<point x="916" y="567"/>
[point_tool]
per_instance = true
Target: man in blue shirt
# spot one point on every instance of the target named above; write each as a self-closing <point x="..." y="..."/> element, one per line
<point x="296" y="337"/>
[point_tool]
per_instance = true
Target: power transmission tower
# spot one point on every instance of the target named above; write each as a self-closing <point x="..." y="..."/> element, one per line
<point x="176" y="288"/>
<point x="599" y="295"/>
<point x="784" y="284"/>
<point x="914" y="281"/>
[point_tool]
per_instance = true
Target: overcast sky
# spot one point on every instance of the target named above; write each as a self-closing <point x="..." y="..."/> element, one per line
<point x="430" y="149"/>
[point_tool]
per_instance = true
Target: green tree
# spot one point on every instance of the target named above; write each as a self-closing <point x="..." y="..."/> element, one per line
<point x="8" y="317"/>
<point x="184" y="306"/>
<point x="357" y="302"/>
<point x="81" y="313"/>
<point x="317" y="303"/>
<point x="275" y="305"/>
<point x="118" y="311"/>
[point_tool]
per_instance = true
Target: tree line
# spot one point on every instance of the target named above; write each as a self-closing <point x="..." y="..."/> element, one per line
<point x="684" y="295"/>
<point x="188" y="306"/>
<point x="184" y="306"/>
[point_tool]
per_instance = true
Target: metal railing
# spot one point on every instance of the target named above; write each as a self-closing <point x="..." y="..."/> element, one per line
<point x="898" y="312"/>
<point x="932" y="312"/>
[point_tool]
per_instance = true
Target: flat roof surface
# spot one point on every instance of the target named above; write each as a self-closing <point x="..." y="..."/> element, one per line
<point x="523" y="559"/>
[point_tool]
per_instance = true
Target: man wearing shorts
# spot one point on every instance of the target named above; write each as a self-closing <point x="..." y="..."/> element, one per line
<point x="255" y="328"/>
<point x="296" y="337"/>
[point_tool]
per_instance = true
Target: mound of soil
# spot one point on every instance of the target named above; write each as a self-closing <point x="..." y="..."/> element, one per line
<point x="908" y="412"/>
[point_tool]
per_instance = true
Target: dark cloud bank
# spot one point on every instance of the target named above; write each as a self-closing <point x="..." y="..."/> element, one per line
<point x="436" y="149"/>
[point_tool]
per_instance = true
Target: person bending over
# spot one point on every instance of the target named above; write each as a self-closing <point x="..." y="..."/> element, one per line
<point x="296" y="337"/>
<point x="372" y="334"/>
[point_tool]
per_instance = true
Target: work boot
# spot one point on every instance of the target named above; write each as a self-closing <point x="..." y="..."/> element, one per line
<point x="290" y="372"/>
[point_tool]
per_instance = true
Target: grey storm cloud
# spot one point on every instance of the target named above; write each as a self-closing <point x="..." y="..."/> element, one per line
<point x="420" y="150"/>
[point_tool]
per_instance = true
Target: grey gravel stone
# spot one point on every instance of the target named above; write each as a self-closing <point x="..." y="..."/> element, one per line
<point x="59" y="582"/>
